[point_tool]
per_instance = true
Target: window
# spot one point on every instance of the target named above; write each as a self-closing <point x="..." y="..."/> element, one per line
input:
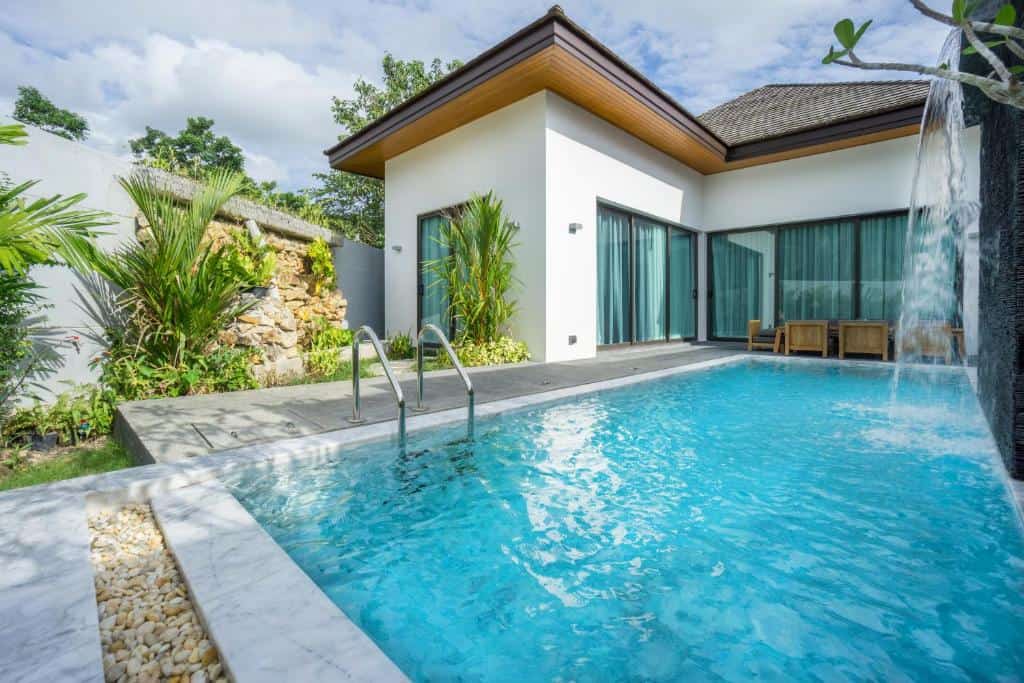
<point x="645" y="279"/>
<point x="849" y="269"/>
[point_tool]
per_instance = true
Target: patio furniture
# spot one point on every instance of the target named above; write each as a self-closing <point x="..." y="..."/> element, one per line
<point x="929" y="340"/>
<point x="760" y="339"/>
<point x="807" y="335"/>
<point x="868" y="337"/>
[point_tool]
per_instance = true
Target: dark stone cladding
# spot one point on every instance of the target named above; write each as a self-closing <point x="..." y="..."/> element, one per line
<point x="1001" y="286"/>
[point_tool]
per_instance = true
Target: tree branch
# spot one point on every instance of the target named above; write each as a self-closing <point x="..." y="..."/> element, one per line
<point x="990" y="57"/>
<point x="932" y="14"/>
<point x="1015" y="47"/>
<point x="998" y="29"/>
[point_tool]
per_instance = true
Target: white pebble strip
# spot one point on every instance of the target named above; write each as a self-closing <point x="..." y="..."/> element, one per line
<point x="148" y="628"/>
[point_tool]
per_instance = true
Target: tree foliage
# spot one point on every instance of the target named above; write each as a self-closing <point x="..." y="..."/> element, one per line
<point x="1002" y="84"/>
<point x="34" y="108"/>
<point x="195" y="151"/>
<point x="354" y="203"/>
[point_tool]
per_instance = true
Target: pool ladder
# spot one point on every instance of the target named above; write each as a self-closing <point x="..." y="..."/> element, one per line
<point x="396" y="388"/>
<point x="431" y="328"/>
<point x="367" y="332"/>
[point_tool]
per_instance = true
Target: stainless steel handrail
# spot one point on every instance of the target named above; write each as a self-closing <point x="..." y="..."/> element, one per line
<point x="430" y="327"/>
<point x="357" y="418"/>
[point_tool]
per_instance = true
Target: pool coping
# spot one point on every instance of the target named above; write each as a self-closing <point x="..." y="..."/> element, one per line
<point x="31" y="513"/>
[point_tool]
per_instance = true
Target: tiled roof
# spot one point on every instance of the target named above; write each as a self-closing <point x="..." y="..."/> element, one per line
<point x="777" y="110"/>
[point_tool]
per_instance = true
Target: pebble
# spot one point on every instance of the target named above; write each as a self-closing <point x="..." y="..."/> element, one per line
<point x="148" y="628"/>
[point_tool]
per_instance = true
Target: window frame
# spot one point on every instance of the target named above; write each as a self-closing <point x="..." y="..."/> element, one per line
<point x="693" y="234"/>
<point x="775" y="229"/>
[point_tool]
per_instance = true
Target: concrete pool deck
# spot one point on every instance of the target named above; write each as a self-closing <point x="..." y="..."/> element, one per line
<point x="169" y="430"/>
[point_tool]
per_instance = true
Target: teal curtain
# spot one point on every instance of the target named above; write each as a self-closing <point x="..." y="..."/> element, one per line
<point x="681" y="284"/>
<point x="651" y="246"/>
<point x="738" y="273"/>
<point x="612" y="278"/>
<point x="881" y="266"/>
<point x="816" y="272"/>
<point x="432" y="290"/>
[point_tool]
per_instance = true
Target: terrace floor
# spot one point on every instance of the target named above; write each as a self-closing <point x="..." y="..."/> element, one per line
<point x="170" y="430"/>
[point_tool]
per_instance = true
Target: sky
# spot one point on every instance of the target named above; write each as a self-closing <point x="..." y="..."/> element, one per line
<point x="265" y="70"/>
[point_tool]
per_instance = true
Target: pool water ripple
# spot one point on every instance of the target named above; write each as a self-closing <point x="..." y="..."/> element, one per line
<point x="756" y="520"/>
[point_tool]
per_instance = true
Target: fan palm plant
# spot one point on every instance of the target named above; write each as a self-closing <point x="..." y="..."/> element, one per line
<point x="176" y="293"/>
<point x="477" y="273"/>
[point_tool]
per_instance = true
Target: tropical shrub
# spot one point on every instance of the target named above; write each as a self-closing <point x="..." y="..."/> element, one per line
<point x="81" y="413"/>
<point x="323" y="359"/>
<point x="477" y="273"/>
<point x="400" y="347"/>
<point x="249" y="258"/>
<point x="321" y="264"/>
<point x="131" y="374"/>
<point x="176" y="291"/>
<point x="497" y="352"/>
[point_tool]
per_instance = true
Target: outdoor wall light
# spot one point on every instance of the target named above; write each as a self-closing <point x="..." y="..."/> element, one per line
<point x="575" y="228"/>
<point x="397" y="247"/>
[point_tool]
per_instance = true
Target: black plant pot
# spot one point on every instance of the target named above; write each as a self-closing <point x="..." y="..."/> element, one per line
<point x="44" y="442"/>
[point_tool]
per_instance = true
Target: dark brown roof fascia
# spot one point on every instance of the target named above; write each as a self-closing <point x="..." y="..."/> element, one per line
<point x="518" y="47"/>
<point x="572" y="38"/>
<point x="866" y="125"/>
<point x="551" y="29"/>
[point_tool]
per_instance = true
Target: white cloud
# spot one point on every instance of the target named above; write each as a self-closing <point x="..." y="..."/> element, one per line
<point x="265" y="70"/>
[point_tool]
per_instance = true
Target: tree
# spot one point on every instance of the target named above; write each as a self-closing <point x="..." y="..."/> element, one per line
<point x="34" y="108"/>
<point x="354" y="202"/>
<point x="195" y="151"/>
<point x="1002" y="84"/>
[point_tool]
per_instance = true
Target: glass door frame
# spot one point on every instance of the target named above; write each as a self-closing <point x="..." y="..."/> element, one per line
<point x="631" y="215"/>
<point x="775" y="229"/>
<point x="420" y="288"/>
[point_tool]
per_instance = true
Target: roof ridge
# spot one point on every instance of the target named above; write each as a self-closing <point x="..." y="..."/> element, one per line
<point x="828" y="83"/>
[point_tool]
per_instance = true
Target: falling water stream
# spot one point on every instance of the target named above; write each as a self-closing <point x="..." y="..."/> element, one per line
<point x="941" y="214"/>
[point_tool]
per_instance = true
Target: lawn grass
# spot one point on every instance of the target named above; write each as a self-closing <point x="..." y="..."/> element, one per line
<point x="344" y="372"/>
<point x="88" y="459"/>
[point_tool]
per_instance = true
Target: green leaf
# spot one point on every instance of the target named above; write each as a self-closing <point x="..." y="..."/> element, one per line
<point x="958" y="11"/>
<point x="1019" y="69"/>
<point x="970" y="50"/>
<point x="845" y="33"/>
<point x="1006" y="16"/>
<point x="860" y="31"/>
<point x="833" y="55"/>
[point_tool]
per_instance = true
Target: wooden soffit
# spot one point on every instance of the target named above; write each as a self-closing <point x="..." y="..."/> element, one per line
<point x="555" y="54"/>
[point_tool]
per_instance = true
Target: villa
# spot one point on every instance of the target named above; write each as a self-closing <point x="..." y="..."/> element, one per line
<point x="650" y="491"/>
<point x="639" y="222"/>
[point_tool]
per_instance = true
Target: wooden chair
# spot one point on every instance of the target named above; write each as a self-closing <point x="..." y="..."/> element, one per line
<point x="929" y="340"/>
<point x="807" y="335"/>
<point x="868" y="337"/>
<point x="757" y="340"/>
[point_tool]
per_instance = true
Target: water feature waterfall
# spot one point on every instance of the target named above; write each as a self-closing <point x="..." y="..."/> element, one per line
<point x="941" y="214"/>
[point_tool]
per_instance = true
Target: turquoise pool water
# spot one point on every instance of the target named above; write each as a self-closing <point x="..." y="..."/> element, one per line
<point x="753" y="520"/>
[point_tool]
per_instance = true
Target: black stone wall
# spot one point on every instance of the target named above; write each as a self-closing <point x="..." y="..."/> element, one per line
<point x="1001" y="290"/>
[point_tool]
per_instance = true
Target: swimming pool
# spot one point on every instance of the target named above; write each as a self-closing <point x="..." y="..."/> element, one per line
<point x="756" y="519"/>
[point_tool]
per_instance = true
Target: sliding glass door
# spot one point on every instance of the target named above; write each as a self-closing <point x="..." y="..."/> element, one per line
<point x="433" y="295"/>
<point x="613" y="278"/>
<point x="645" y="280"/>
<point x="742" y="281"/>
<point x="816" y="266"/>
<point x="835" y="269"/>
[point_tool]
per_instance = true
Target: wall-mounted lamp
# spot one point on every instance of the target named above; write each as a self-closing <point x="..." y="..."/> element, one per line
<point x="575" y="228"/>
<point x="396" y="247"/>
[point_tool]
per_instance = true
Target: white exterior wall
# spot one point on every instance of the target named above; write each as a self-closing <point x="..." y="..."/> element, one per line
<point x="65" y="167"/>
<point x="588" y="160"/>
<point x="552" y="161"/>
<point x="504" y="152"/>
